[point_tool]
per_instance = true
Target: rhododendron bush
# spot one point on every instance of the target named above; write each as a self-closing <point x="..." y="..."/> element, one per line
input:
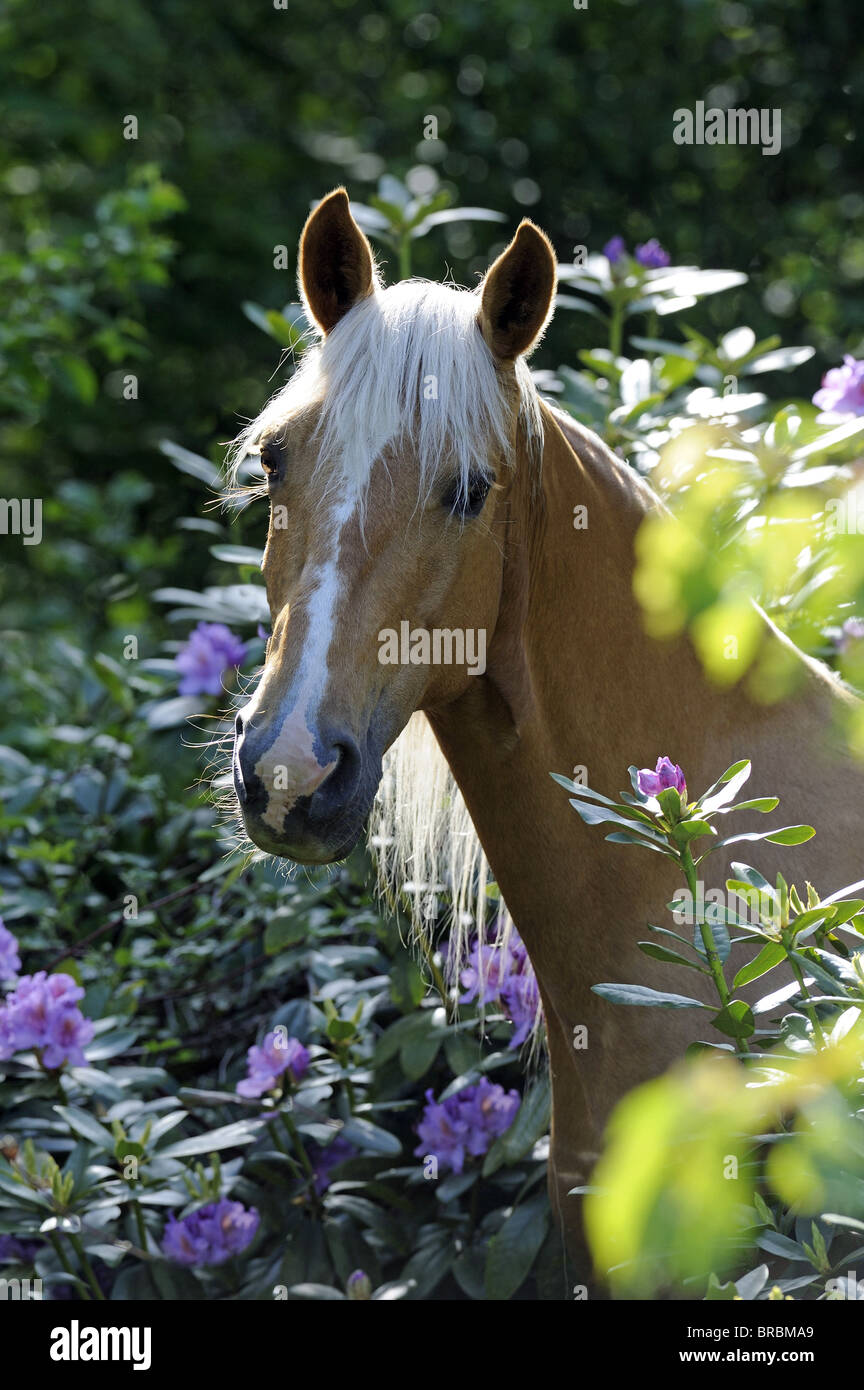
<point x="221" y="1080"/>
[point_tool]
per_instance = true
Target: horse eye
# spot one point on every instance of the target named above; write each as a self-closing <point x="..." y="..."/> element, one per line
<point x="270" y="461"/>
<point x="467" y="502"/>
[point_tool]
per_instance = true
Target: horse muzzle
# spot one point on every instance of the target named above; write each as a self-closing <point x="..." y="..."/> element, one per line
<point x="304" y="804"/>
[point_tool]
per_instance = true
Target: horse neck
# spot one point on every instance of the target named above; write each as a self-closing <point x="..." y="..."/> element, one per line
<point x="569" y="652"/>
<point x="573" y="681"/>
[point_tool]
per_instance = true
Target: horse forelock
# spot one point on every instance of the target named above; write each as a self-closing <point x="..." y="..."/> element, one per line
<point x="407" y="362"/>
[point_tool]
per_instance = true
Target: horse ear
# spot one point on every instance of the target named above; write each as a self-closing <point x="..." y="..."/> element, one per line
<point x="336" y="267"/>
<point x="518" y="293"/>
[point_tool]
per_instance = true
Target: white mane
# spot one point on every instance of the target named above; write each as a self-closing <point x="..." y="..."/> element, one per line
<point x="411" y="358"/>
<point x="425" y="843"/>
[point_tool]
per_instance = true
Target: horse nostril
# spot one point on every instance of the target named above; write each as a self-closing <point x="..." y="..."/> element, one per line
<point x="346" y="773"/>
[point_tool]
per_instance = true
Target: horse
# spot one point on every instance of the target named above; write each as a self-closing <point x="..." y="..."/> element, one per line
<point x="416" y="476"/>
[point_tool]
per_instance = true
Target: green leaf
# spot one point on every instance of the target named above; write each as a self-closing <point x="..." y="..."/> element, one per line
<point x="601" y="815"/>
<point x="664" y="931"/>
<point x="832" y="439"/>
<point x="584" y="306"/>
<point x="229" y="1136"/>
<point x="692" y="829"/>
<point x="513" y="1250"/>
<point x="685" y="281"/>
<point x="126" y="1148"/>
<point x="469" y="1269"/>
<point x="670" y="803"/>
<point x="834" y="1219"/>
<point x="391" y="1041"/>
<point x="777" y="1244"/>
<point x="274" y="324"/>
<point x="791" y="835"/>
<point x="577" y="789"/>
<point x="768" y="957"/>
<point x="725" y="787"/>
<point x="650" y="948"/>
<point x="317" y="1293"/>
<point x="339" y="1030"/>
<point x="192" y="464"/>
<point x="238" y="555"/>
<point x="735" y="1020"/>
<point x="752" y="1283"/>
<point x="714" y="913"/>
<point x="759" y="803"/>
<point x="419" y="1051"/>
<point x="77" y="378"/>
<point x="641" y="995"/>
<point x="407" y="984"/>
<point x="719" y="1293"/>
<point x="438" y="219"/>
<point x="782" y="359"/>
<point x="85" y="1125"/>
<point x="285" y="928"/>
<point x="370" y="1137"/>
<point x="629" y="837"/>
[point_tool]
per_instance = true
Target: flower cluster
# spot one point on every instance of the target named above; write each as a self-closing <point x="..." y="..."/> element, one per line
<point x="842" y="389"/>
<point x="211" y="650"/>
<point x="210" y="1235"/>
<point x="267" y="1063"/>
<point x="465" y="1124"/>
<point x="649" y="254"/>
<point x="10" y="961"/>
<point x="665" y="775"/>
<point x="504" y="974"/>
<point x="42" y="1013"/>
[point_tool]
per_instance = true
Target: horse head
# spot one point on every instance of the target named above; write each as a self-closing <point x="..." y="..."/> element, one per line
<point x="389" y="462"/>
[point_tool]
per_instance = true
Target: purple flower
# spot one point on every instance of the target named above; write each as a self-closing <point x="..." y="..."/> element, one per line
<point x="22" y="1251"/>
<point x="10" y="961"/>
<point x="651" y="255"/>
<point x="211" y="650"/>
<point x="325" y="1160"/>
<point x="842" y="390"/>
<point x="504" y="974"/>
<point x="210" y="1235"/>
<point x="42" y="1013"/>
<point x="851" y="631"/>
<point x="487" y="969"/>
<point x="68" y="1033"/>
<point x="267" y="1063"/>
<point x="465" y="1124"/>
<point x="521" y="998"/>
<point x="615" y="250"/>
<point x="665" y="775"/>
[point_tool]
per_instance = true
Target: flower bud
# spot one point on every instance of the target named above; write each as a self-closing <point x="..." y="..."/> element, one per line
<point x="359" y="1285"/>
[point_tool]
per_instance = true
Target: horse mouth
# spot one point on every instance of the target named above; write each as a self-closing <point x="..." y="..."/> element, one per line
<point x="310" y="852"/>
<point x="302" y="848"/>
<point x="306" y="831"/>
